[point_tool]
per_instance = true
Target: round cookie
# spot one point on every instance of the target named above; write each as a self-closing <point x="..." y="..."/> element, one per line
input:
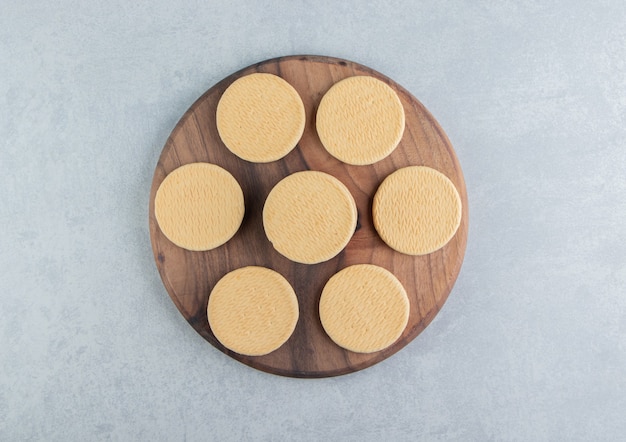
<point x="360" y="120"/>
<point x="199" y="206"/>
<point x="364" y="308"/>
<point x="260" y="117"/>
<point x="309" y="217"/>
<point x="416" y="210"/>
<point x="252" y="310"/>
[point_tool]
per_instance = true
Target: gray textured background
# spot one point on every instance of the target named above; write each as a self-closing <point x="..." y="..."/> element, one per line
<point x="531" y="344"/>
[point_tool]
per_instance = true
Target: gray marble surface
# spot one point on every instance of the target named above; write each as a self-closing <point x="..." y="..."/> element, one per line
<point x="531" y="344"/>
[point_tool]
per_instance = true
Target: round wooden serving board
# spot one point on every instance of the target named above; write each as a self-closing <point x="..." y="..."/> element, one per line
<point x="190" y="276"/>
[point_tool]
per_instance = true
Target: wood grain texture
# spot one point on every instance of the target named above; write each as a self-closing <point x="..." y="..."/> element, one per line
<point x="190" y="276"/>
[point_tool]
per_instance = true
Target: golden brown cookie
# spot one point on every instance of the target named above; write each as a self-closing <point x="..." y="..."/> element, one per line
<point x="199" y="206"/>
<point x="260" y="117"/>
<point x="416" y="210"/>
<point x="252" y="310"/>
<point x="360" y="120"/>
<point x="309" y="217"/>
<point x="364" y="308"/>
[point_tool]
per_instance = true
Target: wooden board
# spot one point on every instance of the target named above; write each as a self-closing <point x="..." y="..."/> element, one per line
<point x="190" y="276"/>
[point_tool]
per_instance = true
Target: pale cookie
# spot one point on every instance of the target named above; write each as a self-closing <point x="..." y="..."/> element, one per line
<point x="199" y="206"/>
<point x="364" y="308"/>
<point x="252" y="310"/>
<point x="309" y="217"/>
<point x="260" y="117"/>
<point x="416" y="210"/>
<point x="360" y="120"/>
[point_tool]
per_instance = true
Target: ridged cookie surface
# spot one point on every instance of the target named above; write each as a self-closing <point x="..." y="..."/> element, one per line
<point x="252" y="310"/>
<point x="260" y="117"/>
<point x="309" y="217"/>
<point x="360" y="120"/>
<point x="199" y="206"/>
<point x="416" y="210"/>
<point x="364" y="308"/>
